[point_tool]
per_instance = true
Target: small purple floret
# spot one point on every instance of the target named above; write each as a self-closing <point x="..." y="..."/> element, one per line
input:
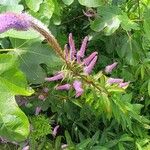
<point x="124" y="84"/>
<point x="109" y="68"/>
<point x="81" y="52"/>
<point x="114" y="80"/>
<point x="72" y="47"/>
<point x="66" y="52"/>
<point x="63" y="87"/>
<point x="55" y="130"/>
<point x="87" y="60"/>
<point x="56" y="77"/>
<point x="78" y="88"/>
<point x="37" y="111"/>
<point x="88" y="69"/>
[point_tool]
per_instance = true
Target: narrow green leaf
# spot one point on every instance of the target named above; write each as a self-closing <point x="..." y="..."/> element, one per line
<point x="142" y="72"/>
<point x="58" y="143"/>
<point x="83" y="144"/>
<point x="149" y="87"/>
<point x="68" y="138"/>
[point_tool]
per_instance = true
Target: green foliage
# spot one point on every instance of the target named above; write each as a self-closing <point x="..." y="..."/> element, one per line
<point x="34" y="6"/>
<point x="68" y="2"/>
<point x="110" y="21"/>
<point x="93" y="3"/>
<point x="40" y="127"/>
<point x="11" y="5"/>
<point x="14" y="123"/>
<point x="32" y="55"/>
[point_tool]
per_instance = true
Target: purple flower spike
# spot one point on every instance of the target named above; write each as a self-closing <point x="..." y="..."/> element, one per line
<point x="78" y="87"/>
<point x="88" y="69"/>
<point x="72" y="47"/>
<point x="87" y="60"/>
<point x="58" y="76"/>
<point x="124" y="84"/>
<point x="66" y="52"/>
<point x="109" y="68"/>
<point x="81" y="52"/>
<point x="37" y="111"/>
<point x="113" y="80"/>
<point x="55" y="130"/>
<point x="63" y="87"/>
<point x="15" y="21"/>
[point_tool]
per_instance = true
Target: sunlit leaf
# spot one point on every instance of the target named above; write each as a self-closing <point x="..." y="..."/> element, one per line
<point x="91" y="3"/>
<point x="14" y="124"/>
<point x="109" y="22"/>
<point x="68" y="2"/>
<point x="34" y="5"/>
<point x="32" y="55"/>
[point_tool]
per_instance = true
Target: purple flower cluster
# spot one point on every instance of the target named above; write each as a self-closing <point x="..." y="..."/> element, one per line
<point x="15" y="21"/>
<point x="118" y="81"/>
<point x="71" y="54"/>
<point x="110" y="81"/>
<point x="88" y="63"/>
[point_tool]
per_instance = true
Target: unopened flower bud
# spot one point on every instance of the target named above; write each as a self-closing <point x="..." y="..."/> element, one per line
<point x="66" y="52"/>
<point x="37" y="111"/>
<point x="124" y="84"/>
<point x="78" y="88"/>
<point x="109" y="68"/>
<point x="56" y="77"/>
<point x="72" y="47"/>
<point x="63" y="87"/>
<point x="114" y="80"/>
<point x="81" y="52"/>
<point x="88" y="69"/>
<point x="55" y="130"/>
<point x="87" y="60"/>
